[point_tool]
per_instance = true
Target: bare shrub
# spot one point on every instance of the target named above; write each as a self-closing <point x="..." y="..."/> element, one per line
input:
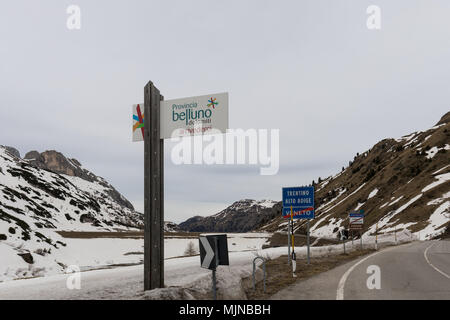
<point x="190" y="249"/>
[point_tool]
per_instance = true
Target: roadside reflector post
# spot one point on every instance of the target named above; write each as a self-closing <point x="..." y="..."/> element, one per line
<point x="307" y="241"/>
<point x="395" y="234"/>
<point x="352" y="239"/>
<point x="294" y="259"/>
<point x="294" y="265"/>
<point x="289" y="242"/>
<point x="360" y="239"/>
<point x="343" y="240"/>
<point x="376" y="237"/>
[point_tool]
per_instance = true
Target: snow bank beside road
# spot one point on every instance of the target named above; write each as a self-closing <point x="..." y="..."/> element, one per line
<point x="184" y="278"/>
<point x="97" y="253"/>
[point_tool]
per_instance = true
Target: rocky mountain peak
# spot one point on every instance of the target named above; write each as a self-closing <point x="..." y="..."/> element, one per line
<point x="56" y="162"/>
<point x="445" y="119"/>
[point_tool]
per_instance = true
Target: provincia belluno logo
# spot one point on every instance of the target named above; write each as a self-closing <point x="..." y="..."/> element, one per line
<point x="190" y="113"/>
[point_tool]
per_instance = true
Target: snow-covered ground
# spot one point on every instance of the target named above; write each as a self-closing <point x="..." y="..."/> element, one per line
<point x="180" y="274"/>
<point x="183" y="275"/>
<point x="126" y="282"/>
<point x="97" y="253"/>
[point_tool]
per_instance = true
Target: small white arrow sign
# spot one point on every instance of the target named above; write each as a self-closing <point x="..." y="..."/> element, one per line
<point x="209" y="252"/>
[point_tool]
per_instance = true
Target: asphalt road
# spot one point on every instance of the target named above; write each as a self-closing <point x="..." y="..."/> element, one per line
<point x="418" y="270"/>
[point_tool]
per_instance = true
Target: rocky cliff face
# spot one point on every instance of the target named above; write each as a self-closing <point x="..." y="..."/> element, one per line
<point x="242" y="216"/>
<point x="401" y="184"/>
<point x="56" y="162"/>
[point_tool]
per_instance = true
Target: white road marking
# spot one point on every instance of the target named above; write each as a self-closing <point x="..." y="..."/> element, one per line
<point x="340" y="289"/>
<point x="428" y="261"/>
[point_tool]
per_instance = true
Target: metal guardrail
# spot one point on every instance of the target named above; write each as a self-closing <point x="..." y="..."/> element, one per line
<point x="254" y="270"/>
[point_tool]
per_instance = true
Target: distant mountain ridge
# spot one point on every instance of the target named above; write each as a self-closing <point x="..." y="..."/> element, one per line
<point x="242" y="216"/>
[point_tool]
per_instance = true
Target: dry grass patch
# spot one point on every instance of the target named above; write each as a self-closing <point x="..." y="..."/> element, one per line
<point x="279" y="273"/>
<point x="280" y="240"/>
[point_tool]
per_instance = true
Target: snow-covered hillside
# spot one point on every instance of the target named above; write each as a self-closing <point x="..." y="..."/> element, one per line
<point x="400" y="184"/>
<point x="36" y="202"/>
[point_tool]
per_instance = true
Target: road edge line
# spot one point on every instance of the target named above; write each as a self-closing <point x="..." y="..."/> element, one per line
<point x="340" y="288"/>
<point x="428" y="261"/>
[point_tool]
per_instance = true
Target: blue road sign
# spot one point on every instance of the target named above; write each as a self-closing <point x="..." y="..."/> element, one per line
<point x="356" y="215"/>
<point x="301" y="199"/>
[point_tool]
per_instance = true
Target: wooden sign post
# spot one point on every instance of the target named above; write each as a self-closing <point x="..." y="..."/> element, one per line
<point x="159" y="121"/>
<point x="153" y="191"/>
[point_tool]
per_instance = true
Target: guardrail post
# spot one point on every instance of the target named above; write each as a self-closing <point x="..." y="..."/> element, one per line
<point x="254" y="271"/>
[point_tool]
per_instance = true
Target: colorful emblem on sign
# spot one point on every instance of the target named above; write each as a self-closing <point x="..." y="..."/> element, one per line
<point x="139" y="120"/>
<point x="212" y="103"/>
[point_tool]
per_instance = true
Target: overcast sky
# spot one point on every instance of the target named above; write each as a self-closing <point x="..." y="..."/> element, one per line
<point x="309" y="68"/>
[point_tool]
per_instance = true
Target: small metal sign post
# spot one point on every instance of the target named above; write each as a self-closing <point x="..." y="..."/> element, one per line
<point x="289" y="242"/>
<point x="213" y="252"/>
<point x="298" y="203"/>
<point x="156" y="120"/>
<point x="294" y="257"/>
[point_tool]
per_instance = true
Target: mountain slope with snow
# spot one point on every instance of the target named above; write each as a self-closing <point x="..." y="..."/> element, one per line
<point x="36" y="202"/>
<point x="399" y="184"/>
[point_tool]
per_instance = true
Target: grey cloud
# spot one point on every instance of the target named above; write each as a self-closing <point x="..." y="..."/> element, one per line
<point x="309" y="68"/>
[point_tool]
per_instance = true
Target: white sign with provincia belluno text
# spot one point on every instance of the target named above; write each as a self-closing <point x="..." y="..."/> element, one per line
<point x="206" y="114"/>
<point x="194" y="115"/>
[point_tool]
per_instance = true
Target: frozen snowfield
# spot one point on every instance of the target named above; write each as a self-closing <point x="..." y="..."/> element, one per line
<point x="88" y="254"/>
